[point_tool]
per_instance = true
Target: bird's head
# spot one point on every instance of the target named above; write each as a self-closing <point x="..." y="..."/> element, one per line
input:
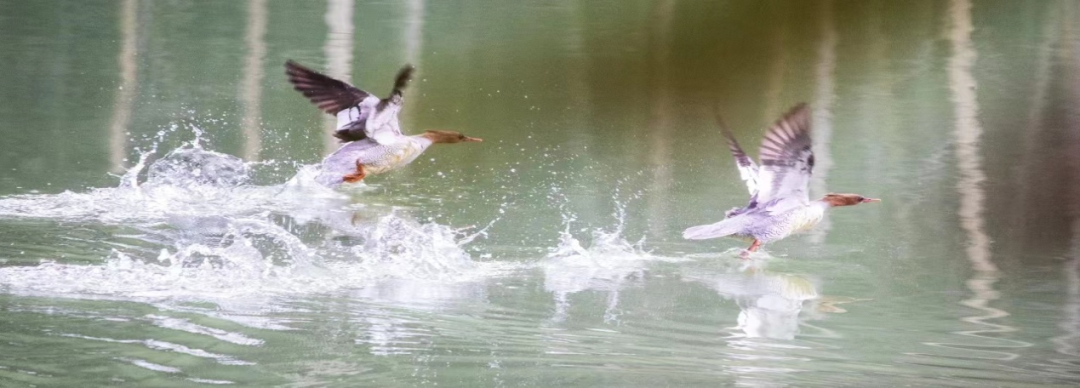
<point x="449" y="137"/>
<point x="835" y="200"/>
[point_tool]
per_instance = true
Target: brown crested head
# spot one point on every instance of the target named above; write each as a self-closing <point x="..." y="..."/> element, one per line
<point x="835" y="200"/>
<point x="449" y="137"/>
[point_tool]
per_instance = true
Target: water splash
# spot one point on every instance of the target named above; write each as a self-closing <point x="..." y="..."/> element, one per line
<point x="203" y="231"/>
<point x="192" y="166"/>
<point x="609" y="263"/>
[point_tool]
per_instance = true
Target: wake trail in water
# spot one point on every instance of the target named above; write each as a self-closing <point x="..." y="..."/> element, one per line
<point x="205" y="232"/>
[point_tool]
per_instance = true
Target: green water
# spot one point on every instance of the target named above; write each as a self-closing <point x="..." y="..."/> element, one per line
<point x="550" y="254"/>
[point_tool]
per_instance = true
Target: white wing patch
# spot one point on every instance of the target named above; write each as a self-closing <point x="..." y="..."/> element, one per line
<point x="748" y="170"/>
<point x="786" y="162"/>
<point x="383" y="125"/>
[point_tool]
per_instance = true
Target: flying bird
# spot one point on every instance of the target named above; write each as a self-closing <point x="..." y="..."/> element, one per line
<point x="779" y="199"/>
<point x="367" y="124"/>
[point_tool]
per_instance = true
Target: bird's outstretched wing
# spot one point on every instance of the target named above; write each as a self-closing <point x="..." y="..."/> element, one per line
<point x="786" y="162"/>
<point x="330" y="95"/>
<point x="360" y="115"/>
<point x="748" y="170"/>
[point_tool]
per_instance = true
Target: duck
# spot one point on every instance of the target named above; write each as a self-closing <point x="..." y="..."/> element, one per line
<point x="366" y="124"/>
<point x="779" y="204"/>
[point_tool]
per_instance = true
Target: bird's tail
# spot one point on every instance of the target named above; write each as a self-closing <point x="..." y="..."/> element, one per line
<point x="723" y="228"/>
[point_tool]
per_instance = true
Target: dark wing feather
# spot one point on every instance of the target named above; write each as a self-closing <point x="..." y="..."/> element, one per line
<point x="786" y="159"/>
<point x="330" y="95"/>
<point x="351" y="132"/>
<point x="400" y="81"/>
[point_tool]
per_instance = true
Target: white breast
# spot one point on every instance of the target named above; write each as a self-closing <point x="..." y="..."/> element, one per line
<point x="779" y="226"/>
<point x="396" y="155"/>
<point x="808" y="217"/>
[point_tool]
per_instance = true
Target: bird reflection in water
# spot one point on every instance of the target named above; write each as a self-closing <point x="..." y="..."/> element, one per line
<point x="771" y="305"/>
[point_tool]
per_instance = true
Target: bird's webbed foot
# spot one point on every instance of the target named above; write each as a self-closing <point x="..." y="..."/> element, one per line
<point x="356" y="176"/>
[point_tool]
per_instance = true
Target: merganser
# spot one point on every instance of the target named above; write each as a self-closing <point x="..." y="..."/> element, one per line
<point x="779" y="201"/>
<point x="367" y="124"/>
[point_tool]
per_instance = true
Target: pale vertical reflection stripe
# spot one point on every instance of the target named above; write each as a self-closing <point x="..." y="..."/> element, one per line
<point x="414" y="44"/>
<point x="125" y="97"/>
<point x="414" y="31"/>
<point x="576" y="72"/>
<point x="824" y="99"/>
<point x="338" y="49"/>
<point x="251" y="86"/>
<point x="774" y="85"/>
<point x="663" y="114"/>
<point x="1067" y="343"/>
<point x="413" y="36"/>
<point x="968" y="132"/>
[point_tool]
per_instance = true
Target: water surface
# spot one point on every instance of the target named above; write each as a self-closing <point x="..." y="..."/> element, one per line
<point x="160" y="226"/>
